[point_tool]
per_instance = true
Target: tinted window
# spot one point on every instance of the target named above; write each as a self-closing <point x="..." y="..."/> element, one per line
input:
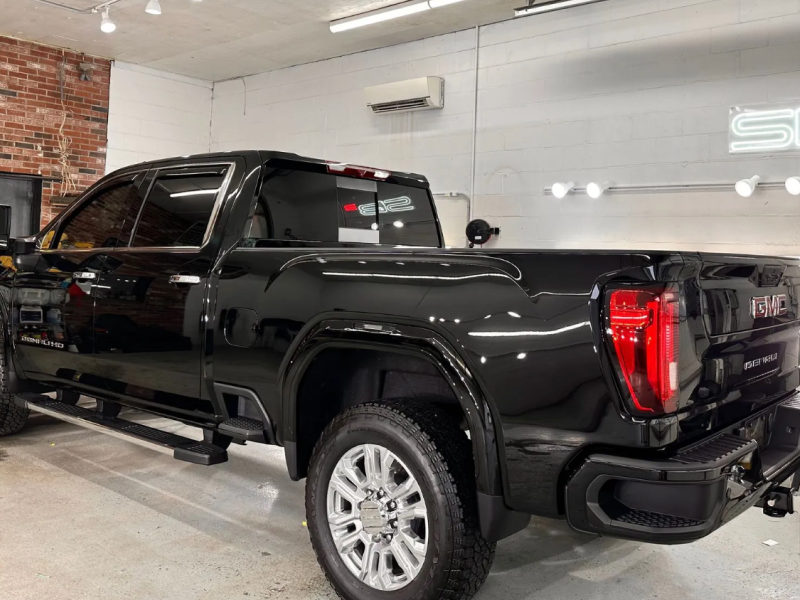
<point x="405" y="216"/>
<point x="298" y="206"/>
<point x="317" y="207"/>
<point x="97" y="223"/>
<point x="178" y="209"/>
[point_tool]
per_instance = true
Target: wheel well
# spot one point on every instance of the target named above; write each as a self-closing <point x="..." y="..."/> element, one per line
<point x="340" y="378"/>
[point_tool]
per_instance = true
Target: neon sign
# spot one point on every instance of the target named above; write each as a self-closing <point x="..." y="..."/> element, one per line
<point x="401" y="204"/>
<point x="767" y="130"/>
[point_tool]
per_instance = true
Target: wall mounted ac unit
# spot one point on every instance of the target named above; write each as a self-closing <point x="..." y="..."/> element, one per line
<point x="422" y="93"/>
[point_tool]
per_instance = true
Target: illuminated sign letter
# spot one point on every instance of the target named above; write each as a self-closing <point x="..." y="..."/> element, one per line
<point x="762" y="131"/>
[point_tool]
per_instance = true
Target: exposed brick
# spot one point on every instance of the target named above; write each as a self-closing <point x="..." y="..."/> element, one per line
<point x="31" y="113"/>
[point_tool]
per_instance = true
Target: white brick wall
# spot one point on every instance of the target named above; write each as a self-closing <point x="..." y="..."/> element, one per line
<point x="154" y="114"/>
<point x="634" y="92"/>
<point x="319" y="110"/>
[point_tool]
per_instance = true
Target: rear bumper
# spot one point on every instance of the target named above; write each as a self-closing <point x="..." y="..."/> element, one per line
<point x="688" y="496"/>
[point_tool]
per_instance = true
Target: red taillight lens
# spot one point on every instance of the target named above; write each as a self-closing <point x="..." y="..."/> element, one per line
<point x="644" y="328"/>
<point x="358" y="171"/>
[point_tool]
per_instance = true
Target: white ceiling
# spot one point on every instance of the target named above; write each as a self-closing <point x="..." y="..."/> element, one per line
<point x="220" y="39"/>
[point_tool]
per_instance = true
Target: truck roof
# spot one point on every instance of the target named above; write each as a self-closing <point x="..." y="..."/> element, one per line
<point x="413" y="179"/>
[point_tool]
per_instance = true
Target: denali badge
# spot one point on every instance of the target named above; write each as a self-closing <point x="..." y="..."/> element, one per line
<point x="760" y="361"/>
<point x="768" y="306"/>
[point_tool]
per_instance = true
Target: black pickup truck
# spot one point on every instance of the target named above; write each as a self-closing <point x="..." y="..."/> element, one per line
<point x="433" y="399"/>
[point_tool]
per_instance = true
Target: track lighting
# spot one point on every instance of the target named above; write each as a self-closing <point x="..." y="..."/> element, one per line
<point x="746" y="187"/>
<point x="562" y="189"/>
<point x="595" y="190"/>
<point x="378" y="16"/>
<point x="390" y="12"/>
<point x="153" y="8"/>
<point x="106" y="24"/>
<point x="535" y="8"/>
<point x="793" y="186"/>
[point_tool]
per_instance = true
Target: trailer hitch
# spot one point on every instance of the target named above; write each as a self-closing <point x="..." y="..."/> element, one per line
<point x="778" y="502"/>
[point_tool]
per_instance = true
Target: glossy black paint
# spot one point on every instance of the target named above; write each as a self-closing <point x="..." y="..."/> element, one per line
<point x="518" y="336"/>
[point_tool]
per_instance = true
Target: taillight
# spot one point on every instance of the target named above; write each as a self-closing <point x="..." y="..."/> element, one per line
<point x="644" y="328"/>
<point x="358" y="171"/>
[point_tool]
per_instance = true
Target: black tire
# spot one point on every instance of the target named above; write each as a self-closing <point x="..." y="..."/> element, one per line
<point x="12" y="417"/>
<point x="430" y="443"/>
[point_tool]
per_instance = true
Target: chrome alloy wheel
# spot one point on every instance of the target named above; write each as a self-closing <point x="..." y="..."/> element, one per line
<point x="377" y="517"/>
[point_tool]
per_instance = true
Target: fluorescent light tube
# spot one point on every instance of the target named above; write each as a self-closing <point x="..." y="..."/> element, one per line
<point x="438" y="3"/>
<point x="378" y="16"/>
<point x="544" y="7"/>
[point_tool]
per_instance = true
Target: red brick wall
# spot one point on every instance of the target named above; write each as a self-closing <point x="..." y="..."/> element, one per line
<point x="31" y="113"/>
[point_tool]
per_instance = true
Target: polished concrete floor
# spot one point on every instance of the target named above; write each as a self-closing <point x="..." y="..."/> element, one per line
<point x="84" y="516"/>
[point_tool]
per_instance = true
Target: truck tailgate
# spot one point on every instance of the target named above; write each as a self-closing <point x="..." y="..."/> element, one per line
<point x="746" y="334"/>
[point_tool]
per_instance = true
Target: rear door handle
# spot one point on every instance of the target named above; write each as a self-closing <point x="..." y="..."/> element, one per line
<point x="84" y="275"/>
<point x="190" y="279"/>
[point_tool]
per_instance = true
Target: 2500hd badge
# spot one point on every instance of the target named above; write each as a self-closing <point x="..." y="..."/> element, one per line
<point x="48" y="343"/>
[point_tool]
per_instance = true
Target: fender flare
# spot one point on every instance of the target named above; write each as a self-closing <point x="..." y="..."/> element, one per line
<point x="403" y="336"/>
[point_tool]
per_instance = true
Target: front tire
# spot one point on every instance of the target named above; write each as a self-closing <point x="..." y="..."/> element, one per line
<point x="12" y="417"/>
<point x="428" y="545"/>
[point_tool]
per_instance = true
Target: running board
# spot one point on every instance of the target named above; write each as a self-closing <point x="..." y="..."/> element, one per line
<point x="181" y="448"/>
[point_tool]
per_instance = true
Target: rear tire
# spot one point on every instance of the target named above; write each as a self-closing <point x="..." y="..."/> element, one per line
<point x="428" y="444"/>
<point x="12" y="417"/>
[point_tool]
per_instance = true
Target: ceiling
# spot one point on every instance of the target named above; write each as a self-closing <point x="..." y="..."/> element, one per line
<point x="221" y="39"/>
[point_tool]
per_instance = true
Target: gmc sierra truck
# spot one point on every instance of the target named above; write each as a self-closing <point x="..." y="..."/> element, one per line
<point x="432" y="399"/>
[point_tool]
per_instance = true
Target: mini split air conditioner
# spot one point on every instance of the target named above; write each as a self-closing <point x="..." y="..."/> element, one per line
<point x="422" y="93"/>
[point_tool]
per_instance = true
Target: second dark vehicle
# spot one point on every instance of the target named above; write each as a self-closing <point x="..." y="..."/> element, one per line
<point x="434" y="399"/>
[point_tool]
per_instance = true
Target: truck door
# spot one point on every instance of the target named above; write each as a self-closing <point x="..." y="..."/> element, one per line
<point x="53" y="305"/>
<point x="150" y="308"/>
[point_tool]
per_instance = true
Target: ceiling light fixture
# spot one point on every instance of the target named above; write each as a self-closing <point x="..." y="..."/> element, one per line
<point x="536" y="8"/>
<point x="153" y="7"/>
<point x="595" y="190"/>
<point x="106" y="24"/>
<point x="746" y="187"/>
<point x="378" y="16"/>
<point x="562" y="189"/>
<point x="793" y="186"/>
<point x="438" y="3"/>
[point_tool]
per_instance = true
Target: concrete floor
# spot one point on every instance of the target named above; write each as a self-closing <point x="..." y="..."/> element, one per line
<point x="83" y="515"/>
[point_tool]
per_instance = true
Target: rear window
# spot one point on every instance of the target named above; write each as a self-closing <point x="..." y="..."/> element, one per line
<point x="297" y="205"/>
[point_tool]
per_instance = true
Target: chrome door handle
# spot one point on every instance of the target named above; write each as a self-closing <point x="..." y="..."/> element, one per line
<point x="190" y="279"/>
<point x="84" y="275"/>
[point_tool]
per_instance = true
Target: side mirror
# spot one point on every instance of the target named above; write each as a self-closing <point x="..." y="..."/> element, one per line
<point x="25" y="256"/>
